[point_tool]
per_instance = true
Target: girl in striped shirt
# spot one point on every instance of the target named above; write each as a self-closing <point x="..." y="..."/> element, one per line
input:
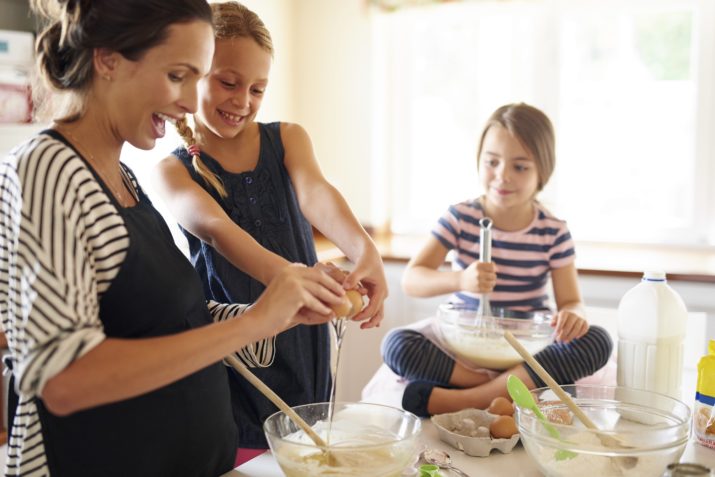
<point x="516" y="157"/>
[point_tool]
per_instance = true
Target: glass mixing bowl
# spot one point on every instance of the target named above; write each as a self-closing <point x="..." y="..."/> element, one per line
<point x="478" y="340"/>
<point x="365" y="440"/>
<point x="642" y="432"/>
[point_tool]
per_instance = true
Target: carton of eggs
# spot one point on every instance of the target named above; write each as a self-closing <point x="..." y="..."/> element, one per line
<point x="477" y="432"/>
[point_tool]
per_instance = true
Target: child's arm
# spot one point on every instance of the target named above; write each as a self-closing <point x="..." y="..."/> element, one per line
<point x="326" y="209"/>
<point x="569" y="321"/>
<point x="422" y="278"/>
<point x="201" y="215"/>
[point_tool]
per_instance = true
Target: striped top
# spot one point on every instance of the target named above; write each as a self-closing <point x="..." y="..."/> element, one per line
<point x="62" y="242"/>
<point x="523" y="258"/>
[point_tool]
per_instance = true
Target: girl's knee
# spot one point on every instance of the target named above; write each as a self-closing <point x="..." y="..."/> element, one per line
<point x="397" y="345"/>
<point x="395" y="340"/>
<point x="602" y="345"/>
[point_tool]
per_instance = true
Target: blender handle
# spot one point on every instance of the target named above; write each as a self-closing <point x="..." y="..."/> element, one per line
<point x="485" y="255"/>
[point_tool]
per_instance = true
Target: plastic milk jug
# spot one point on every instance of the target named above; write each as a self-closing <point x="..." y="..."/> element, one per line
<point x="651" y="330"/>
<point x="704" y="409"/>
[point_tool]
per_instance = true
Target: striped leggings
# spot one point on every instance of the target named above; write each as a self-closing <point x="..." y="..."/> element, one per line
<point x="409" y="354"/>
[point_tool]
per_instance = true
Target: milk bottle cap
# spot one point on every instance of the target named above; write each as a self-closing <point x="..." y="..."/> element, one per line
<point x="654" y="276"/>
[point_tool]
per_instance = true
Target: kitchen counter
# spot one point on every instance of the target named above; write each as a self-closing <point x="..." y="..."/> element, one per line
<point x="515" y="464"/>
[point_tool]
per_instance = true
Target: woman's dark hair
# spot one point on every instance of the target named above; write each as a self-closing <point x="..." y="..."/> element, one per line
<point x="76" y="27"/>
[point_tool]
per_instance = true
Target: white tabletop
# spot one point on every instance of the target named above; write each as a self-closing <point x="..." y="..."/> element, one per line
<point x="515" y="464"/>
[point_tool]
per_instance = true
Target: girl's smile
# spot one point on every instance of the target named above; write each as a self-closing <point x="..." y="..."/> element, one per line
<point x="233" y="120"/>
<point x="507" y="171"/>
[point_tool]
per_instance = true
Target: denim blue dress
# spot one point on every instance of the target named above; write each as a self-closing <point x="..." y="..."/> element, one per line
<point x="264" y="204"/>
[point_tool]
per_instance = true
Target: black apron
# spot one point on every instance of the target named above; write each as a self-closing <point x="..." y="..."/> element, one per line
<point x="183" y="429"/>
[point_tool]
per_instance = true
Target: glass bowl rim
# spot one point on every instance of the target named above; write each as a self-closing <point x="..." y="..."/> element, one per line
<point x="311" y="445"/>
<point x="469" y="307"/>
<point x="529" y="415"/>
<point x="536" y="327"/>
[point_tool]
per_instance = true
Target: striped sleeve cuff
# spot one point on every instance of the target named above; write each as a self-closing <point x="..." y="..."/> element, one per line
<point x="260" y="354"/>
<point x="40" y="365"/>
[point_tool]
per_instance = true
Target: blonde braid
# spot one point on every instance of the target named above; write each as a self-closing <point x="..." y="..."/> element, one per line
<point x="184" y="130"/>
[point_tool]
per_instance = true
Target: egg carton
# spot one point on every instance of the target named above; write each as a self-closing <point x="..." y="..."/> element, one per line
<point x="471" y="439"/>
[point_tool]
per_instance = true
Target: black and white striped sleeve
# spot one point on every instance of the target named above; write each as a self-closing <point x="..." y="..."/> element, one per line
<point x="48" y="244"/>
<point x="62" y="243"/>
<point x="256" y="355"/>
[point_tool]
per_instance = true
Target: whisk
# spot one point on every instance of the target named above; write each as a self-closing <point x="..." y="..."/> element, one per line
<point x="485" y="255"/>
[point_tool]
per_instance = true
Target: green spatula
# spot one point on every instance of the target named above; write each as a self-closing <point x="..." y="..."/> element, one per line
<point x="523" y="398"/>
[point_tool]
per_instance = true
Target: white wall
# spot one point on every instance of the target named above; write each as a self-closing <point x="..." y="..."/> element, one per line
<point x="332" y="92"/>
<point x="279" y="103"/>
<point x="321" y="80"/>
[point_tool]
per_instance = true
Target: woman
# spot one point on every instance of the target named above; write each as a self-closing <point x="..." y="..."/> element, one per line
<point x="113" y="349"/>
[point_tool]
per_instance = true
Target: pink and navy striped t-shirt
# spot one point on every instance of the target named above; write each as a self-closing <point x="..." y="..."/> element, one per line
<point x="523" y="258"/>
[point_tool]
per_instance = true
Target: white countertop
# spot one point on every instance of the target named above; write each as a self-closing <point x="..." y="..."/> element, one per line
<point x="515" y="464"/>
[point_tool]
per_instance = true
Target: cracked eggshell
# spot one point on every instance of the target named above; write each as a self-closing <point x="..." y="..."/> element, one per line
<point x="462" y="431"/>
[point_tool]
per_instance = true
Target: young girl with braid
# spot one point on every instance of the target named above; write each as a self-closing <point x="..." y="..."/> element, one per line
<point x="516" y="157"/>
<point x="246" y="195"/>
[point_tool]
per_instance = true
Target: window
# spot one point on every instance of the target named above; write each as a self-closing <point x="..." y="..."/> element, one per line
<point x="625" y="83"/>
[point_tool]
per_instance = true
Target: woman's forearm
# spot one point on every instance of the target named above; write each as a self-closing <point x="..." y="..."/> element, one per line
<point x="120" y="369"/>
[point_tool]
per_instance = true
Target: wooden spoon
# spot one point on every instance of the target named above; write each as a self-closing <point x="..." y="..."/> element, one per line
<point x="275" y="399"/>
<point x="626" y="462"/>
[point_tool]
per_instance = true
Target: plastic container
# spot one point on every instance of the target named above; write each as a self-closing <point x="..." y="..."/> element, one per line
<point x="651" y="329"/>
<point x="704" y="409"/>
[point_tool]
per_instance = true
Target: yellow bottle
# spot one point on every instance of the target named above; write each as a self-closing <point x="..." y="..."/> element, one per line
<point x="703" y="414"/>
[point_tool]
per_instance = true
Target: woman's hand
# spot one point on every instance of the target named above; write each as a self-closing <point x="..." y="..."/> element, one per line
<point x="479" y="277"/>
<point x="298" y="295"/>
<point x="569" y="326"/>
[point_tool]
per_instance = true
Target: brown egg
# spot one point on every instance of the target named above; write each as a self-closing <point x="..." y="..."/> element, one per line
<point x="503" y="427"/>
<point x="501" y="406"/>
<point x="356" y="301"/>
<point x="351" y="305"/>
<point x="343" y="309"/>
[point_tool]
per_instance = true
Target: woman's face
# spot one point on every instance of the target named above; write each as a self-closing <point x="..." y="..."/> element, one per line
<point x="230" y="96"/>
<point x="507" y="170"/>
<point x="161" y="86"/>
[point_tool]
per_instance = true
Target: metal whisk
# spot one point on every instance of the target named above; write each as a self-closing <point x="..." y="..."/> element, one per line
<point x="485" y="255"/>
